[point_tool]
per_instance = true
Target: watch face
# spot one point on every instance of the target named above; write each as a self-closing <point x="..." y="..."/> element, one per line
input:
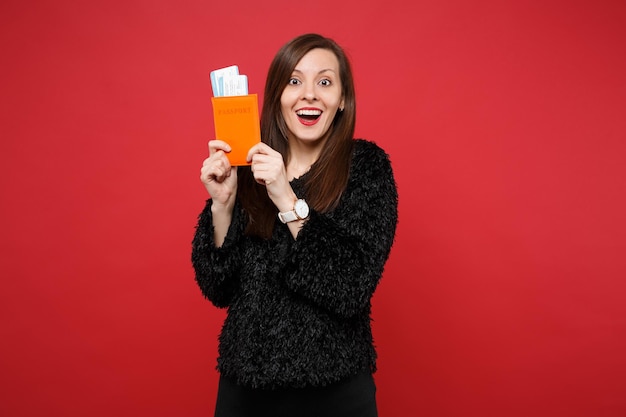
<point x="302" y="209"/>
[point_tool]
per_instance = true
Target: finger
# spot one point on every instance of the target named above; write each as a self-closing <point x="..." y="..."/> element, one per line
<point x="259" y="148"/>
<point x="219" y="157"/>
<point x="216" y="167"/>
<point x="217" y="145"/>
<point x="260" y="159"/>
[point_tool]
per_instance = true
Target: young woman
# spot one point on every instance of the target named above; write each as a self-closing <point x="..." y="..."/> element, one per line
<point x="295" y="244"/>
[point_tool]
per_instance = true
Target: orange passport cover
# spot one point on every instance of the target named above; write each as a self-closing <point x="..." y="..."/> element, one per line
<point x="236" y="120"/>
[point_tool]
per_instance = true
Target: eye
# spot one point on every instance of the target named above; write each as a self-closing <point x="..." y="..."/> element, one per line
<point x="293" y="81"/>
<point x="325" y="82"/>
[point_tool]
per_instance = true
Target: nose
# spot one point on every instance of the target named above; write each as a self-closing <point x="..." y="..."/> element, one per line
<point x="309" y="92"/>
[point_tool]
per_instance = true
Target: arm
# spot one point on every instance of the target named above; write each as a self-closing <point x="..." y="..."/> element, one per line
<point x="217" y="268"/>
<point x="220" y="180"/>
<point x="214" y="250"/>
<point x="339" y="257"/>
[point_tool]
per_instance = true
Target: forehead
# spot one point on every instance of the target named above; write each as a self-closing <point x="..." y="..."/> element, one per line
<point x="317" y="60"/>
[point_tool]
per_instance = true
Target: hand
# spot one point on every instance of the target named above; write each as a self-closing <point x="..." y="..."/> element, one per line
<point x="218" y="176"/>
<point x="268" y="169"/>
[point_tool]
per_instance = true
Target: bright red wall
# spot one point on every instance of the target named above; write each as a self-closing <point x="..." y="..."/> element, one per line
<point x="505" y="122"/>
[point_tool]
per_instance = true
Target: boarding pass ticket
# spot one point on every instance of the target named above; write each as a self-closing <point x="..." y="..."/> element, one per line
<point x="228" y="82"/>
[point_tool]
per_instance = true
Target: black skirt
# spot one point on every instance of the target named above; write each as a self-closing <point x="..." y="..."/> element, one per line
<point x="354" y="397"/>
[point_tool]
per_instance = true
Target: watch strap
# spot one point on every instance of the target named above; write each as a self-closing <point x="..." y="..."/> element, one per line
<point x="288" y="216"/>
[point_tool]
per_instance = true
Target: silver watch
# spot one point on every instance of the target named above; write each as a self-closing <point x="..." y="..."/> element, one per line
<point x="300" y="212"/>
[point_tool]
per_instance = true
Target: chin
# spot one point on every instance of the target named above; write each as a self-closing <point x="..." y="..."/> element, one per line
<point x="309" y="138"/>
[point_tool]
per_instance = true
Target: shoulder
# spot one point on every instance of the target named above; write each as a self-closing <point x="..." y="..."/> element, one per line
<point x="364" y="148"/>
<point x="367" y="156"/>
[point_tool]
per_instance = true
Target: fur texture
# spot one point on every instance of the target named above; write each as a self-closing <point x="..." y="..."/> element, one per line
<point x="299" y="310"/>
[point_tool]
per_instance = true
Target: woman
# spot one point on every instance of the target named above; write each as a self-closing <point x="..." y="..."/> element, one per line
<point x="295" y="244"/>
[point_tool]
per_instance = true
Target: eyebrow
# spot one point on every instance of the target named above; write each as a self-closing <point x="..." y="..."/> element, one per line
<point x="319" y="72"/>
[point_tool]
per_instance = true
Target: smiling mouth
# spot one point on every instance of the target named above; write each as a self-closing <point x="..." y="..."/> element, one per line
<point x="308" y="116"/>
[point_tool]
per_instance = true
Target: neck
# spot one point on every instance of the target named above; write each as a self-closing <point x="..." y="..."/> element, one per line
<point x="298" y="166"/>
<point x="301" y="157"/>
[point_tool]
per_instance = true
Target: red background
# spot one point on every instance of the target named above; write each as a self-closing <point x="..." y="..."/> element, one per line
<point x="505" y="122"/>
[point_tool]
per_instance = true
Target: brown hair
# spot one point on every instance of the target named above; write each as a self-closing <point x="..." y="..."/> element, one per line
<point x="328" y="176"/>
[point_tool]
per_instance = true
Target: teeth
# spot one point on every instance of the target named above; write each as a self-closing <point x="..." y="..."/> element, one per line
<point x="309" y="112"/>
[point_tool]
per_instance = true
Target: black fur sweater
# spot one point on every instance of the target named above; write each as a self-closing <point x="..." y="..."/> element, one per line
<point x="299" y="310"/>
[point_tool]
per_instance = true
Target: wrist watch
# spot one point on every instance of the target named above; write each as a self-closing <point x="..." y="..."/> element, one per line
<point x="300" y="212"/>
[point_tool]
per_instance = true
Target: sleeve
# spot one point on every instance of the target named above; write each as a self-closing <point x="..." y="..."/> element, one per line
<point x="217" y="269"/>
<point x="338" y="258"/>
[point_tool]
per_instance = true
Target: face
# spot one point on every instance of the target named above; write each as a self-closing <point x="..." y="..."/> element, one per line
<point x="312" y="96"/>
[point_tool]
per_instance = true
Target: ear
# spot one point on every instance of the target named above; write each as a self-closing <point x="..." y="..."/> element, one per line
<point x="341" y="105"/>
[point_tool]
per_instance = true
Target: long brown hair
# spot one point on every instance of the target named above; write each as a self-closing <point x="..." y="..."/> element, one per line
<point x="328" y="176"/>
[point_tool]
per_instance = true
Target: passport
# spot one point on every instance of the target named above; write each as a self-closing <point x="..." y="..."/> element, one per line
<point x="236" y="120"/>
